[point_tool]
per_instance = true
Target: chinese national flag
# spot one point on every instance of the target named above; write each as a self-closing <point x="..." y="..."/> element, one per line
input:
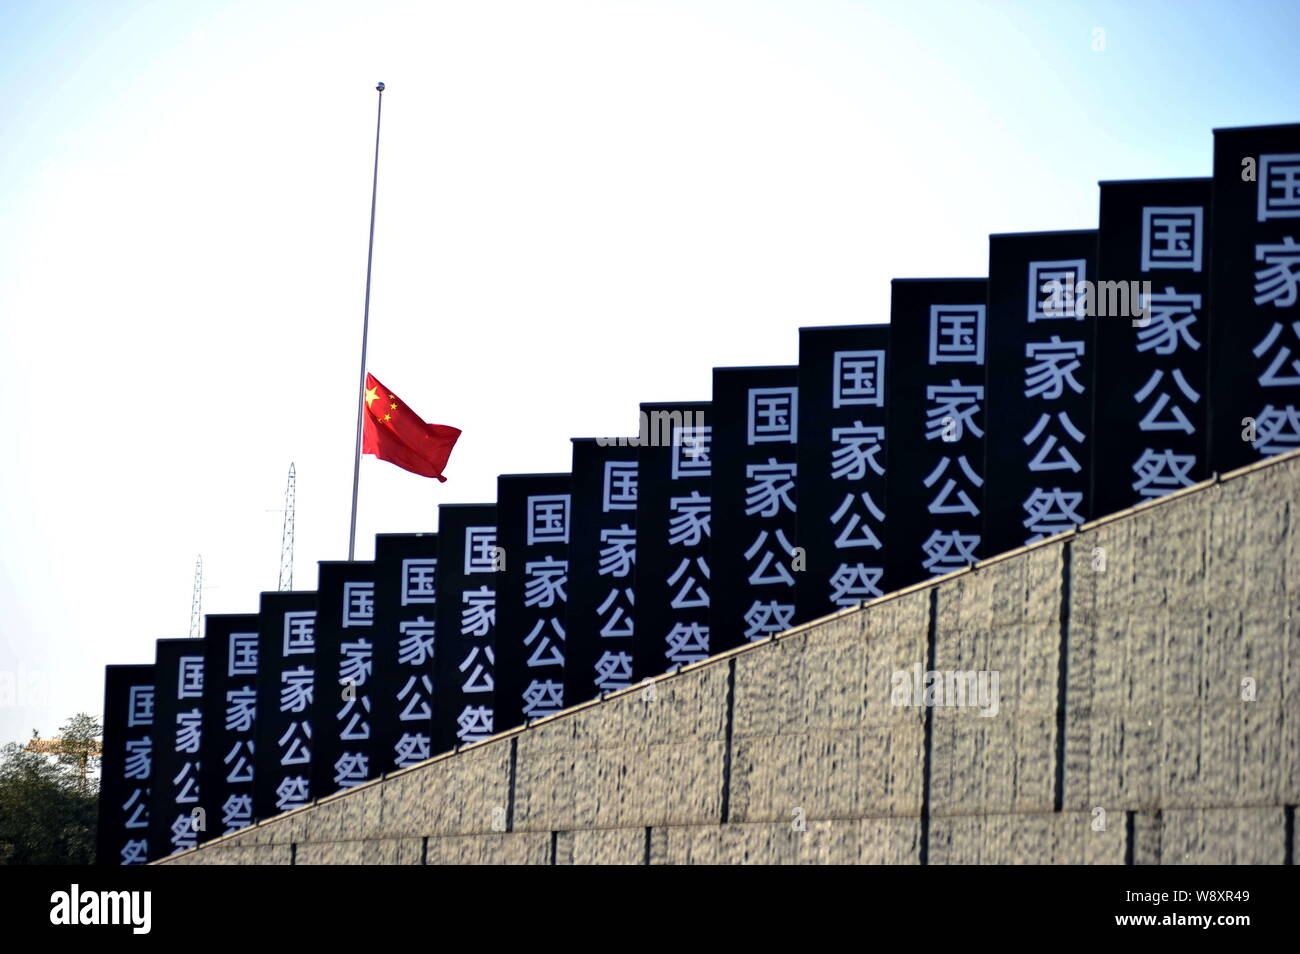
<point x="393" y="432"/>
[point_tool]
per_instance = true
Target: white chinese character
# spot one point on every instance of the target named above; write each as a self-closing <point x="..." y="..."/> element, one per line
<point x="358" y="604"/>
<point x="1171" y="237"/>
<point x="942" y="502"/>
<point x="1064" y="459"/>
<point x="295" y="750"/>
<point x="691" y="525"/>
<point x="1054" y="367"/>
<point x="351" y="768"/>
<point x="187" y="784"/>
<point x="1167" y="320"/>
<point x="545" y="582"/>
<point x="771" y="488"/>
<point x="956" y="334"/>
<point x="850" y="535"/>
<point x="139" y="706"/>
<point x="480" y="612"/>
<point x="237" y="812"/>
<point x="618" y="555"/>
<point x="859" y="379"/>
<point x="189" y="731"/>
<point x="139" y="758"/>
<point x="619" y="621"/>
<point x="1277" y="283"/>
<point x="137" y="805"/>
<point x="613" y="671"/>
<point x="184" y="835"/>
<point x="1278" y="373"/>
<point x="945" y="552"/>
<point x="241" y="709"/>
<point x="548" y="519"/>
<point x="1178" y="421"/>
<point x="242" y="660"/>
<point x="299" y="632"/>
<point x="419" y="580"/>
<point x="1160" y="473"/>
<point x="687" y="643"/>
<point x="773" y="416"/>
<point x="619" y="488"/>
<point x="852" y="583"/>
<point x="292" y="792"/>
<point x="190" y="677"/>
<point x="296" y="691"/>
<point x="480" y="549"/>
<point x="548" y="652"/>
<point x="855" y="451"/>
<point x="415" y="648"/>
<point x="1277" y="430"/>
<point x="355" y="662"/>
<point x="474" y="723"/>
<point x="241" y="764"/>
<point x="352" y="717"/>
<point x="411" y="748"/>
<point x="543" y="697"/>
<point x="771" y="568"/>
<point x="135" y="851"/>
<point x="691" y="594"/>
<point x="1279" y="186"/>
<point x="953" y="411"/>
<point x="479" y="661"/>
<point x="1052" y="511"/>
<point x="417" y="708"/>
<point x="692" y="447"/>
<point x="1052" y="287"/>
<point x="764" y="619"/>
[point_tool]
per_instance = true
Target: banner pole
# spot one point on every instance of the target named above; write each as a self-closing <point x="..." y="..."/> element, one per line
<point x="365" y="331"/>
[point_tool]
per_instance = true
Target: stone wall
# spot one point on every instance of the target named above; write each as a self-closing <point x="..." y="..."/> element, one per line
<point x="1127" y="653"/>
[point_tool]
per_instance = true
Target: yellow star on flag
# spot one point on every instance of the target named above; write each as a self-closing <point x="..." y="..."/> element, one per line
<point x="371" y="395"/>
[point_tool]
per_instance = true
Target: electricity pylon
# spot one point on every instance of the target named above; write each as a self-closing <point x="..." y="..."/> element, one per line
<point x="196" y="601"/>
<point x="286" y="535"/>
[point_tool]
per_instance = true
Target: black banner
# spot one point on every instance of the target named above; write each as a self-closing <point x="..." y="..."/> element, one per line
<point x="1255" y="346"/>
<point x="126" y="766"/>
<point x="343" y="708"/>
<point x="175" y="811"/>
<point x="673" y="514"/>
<point x="464" y="683"/>
<point x="937" y="388"/>
<point x="286" y="655"/>
<point x="401" y="685"/>
<point x="1152" y="400"/>
<point x="229" y="722"/>
<point x="602" y="563"/>
<point x="843" y="414"/>
<point x="1041" y="336"/>
<point x="752" y="555"/>
<point x="534" y="513"/>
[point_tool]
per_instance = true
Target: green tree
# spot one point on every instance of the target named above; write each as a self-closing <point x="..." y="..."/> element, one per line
<point x="48" y="811"/>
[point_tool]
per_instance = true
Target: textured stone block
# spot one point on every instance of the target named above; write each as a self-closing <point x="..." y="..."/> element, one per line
<point x="601" y="846"/>
<point x="1198" y="836"/>
<point x="1027" y="839"/>
<point x="533" y="848"/>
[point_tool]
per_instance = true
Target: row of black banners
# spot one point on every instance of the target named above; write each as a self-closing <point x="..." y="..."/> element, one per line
<point x="1083" y="376"/>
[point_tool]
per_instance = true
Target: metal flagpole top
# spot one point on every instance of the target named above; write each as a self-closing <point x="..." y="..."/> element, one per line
<point x="365" y="331"/>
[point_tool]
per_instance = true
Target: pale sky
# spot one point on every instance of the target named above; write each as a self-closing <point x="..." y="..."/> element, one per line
<point x="582" y="206"/>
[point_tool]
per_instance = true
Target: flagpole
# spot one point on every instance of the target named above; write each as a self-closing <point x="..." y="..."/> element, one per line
<point x="365" y="330"/>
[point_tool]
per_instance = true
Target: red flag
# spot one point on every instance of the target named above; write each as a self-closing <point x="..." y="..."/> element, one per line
<point x="393" y="432"/>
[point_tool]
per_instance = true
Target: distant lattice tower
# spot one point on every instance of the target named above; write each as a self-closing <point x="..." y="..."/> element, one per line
<point x="196" y="601"/>
<point x="286" y="535"/>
